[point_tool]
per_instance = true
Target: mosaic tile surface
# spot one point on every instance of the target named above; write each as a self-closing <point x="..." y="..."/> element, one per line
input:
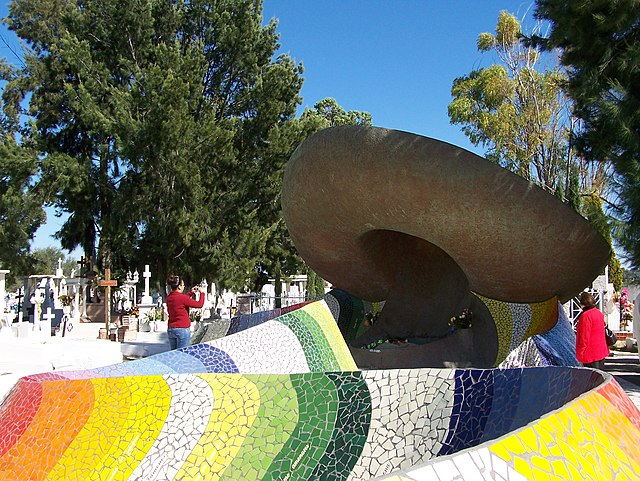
<point x="228" y="409"/>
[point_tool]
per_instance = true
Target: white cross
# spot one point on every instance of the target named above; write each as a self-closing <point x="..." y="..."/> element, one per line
<point x="46" y="324"/>
<point x="49" y="315"/>
<point x="146" y="274"/>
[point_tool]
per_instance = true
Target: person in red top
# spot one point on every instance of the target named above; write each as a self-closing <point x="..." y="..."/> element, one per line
<point x="591" y="344"/>
<point x="178" y="304"/>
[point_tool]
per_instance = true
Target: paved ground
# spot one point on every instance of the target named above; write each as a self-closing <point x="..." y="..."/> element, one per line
<point x="625" y="367"/>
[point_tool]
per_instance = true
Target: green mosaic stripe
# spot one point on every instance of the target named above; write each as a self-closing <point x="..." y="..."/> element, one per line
<point x="274" y="424"/>
<point x="351" y="429"/>
<point x="329" y="360"/>
<point x="314" y="343"/>
<point x="318" y="407"/>
<point x="311" y="353"/>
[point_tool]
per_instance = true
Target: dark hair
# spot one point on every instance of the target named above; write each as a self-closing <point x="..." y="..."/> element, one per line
<point x="587" y="300"/>
<point x="173" y="282"/>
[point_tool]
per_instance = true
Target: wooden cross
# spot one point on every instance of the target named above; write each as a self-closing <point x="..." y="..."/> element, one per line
<point x="107" y="283"/>
<point x="82" y="263"/>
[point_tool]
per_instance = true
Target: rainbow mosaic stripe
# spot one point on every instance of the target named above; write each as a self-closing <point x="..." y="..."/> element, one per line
<point x="518" y="322"/>
<point x="342" y="425"/>
<point x="221" y="328"/>
<point x="190" y="415"/>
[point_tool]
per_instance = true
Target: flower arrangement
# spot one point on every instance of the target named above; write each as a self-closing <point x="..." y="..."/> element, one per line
<point x="154" y="314"/>
<point x="370" y="318"/>
<point x="463" y="321"/>
<point x="626" y="309"/>
<point x="66" y="300"/>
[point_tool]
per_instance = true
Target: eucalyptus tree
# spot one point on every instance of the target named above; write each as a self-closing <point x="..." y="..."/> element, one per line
<point x="519" y="111"/>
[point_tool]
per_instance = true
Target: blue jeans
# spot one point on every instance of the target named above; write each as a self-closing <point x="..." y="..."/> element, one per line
<point x="179" y="337"/>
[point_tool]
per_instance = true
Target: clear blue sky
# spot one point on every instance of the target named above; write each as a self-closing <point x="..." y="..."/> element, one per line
<point x="395" y="59"/>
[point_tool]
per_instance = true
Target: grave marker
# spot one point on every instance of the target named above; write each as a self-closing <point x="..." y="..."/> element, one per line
<point x="107" y="283"/>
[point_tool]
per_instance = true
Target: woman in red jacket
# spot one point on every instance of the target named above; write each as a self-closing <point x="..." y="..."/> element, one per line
<point x="178" y="304"/>
<point x="591" y="344"/>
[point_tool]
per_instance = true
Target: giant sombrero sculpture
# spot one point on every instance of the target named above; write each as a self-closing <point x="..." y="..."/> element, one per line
<point x="434" y="230"/>
<point x="280" y="398"/>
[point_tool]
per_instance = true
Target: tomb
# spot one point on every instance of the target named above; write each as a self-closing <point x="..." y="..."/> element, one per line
<point x="283" y="394"/>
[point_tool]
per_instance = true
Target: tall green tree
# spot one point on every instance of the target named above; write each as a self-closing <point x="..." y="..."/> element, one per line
<point x="156" y="119"/>
<point x="600" y="45"/>
<point x="21" y="210"/>
<point x="281" y="259"/>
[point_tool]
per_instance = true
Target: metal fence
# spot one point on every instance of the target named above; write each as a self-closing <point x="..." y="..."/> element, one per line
<point x="575" y="309"/>
<point x="248" y="304"/>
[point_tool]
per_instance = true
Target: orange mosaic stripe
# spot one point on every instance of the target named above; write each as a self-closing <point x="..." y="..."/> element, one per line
<point x="58" y="426"/>
<point x="613" y="393"/>
<point x="17" y="412"/>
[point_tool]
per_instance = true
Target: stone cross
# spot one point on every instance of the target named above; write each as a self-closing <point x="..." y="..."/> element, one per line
<point x="45" y="324"/>
<point x="107" y="283"/>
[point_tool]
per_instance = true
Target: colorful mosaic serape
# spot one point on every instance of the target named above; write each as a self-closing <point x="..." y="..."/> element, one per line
<point x="191" y="415"/>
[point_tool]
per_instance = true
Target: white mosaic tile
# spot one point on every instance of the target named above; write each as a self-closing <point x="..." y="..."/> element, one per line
<point x="406" y="433"/>
<point x="191" y="406"/>
<point x="268" y="348"/>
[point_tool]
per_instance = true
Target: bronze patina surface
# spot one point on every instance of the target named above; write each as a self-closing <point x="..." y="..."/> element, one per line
<point x="419" y="223"/>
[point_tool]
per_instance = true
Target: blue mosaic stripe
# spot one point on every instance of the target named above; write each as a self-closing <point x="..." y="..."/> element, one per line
<point x="533" y="398"/>
<point x="558" y="385"/>
<point x="471" y="408"/>
<point x="212" y="358"/>
<point x="150" y="367"/>
<point x="114" y="370"/>
<point x="180" y="361"/>
<point x="507" y="386"/>
<point x="247" y="321"/>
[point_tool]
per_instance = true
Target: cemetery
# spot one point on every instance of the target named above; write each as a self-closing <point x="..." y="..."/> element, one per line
<point x="444" y="349"/>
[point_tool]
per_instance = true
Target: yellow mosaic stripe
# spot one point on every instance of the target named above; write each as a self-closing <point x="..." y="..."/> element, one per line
<point x="540" y="313"/>
<point x="91" y="444"/>
<point x="588" y="440"/>
<point x="236" y="401"/>
<point x="320" y="312"/>
<point x="123" y="425"/>
<point x="503" y="320"/>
